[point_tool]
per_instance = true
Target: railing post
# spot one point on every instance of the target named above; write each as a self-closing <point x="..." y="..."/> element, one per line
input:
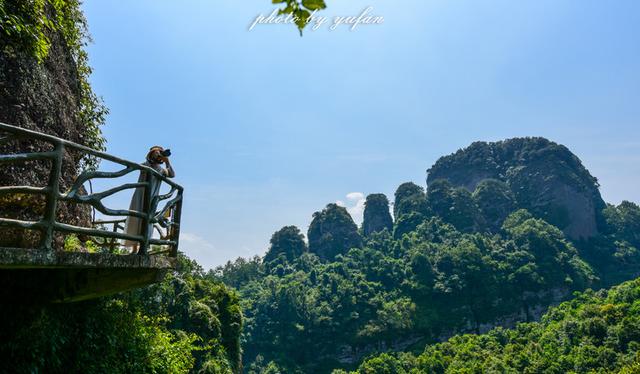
<point x="49" y="217"/>
<point x="113" y="242"/>
<point x="177" y="213"/>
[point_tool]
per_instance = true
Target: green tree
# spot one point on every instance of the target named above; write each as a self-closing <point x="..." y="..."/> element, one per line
<point x="466" y="276"/>
<point x="407" y="223"/>
<point x="239" y="272"/>
<point x="551" y="251"/>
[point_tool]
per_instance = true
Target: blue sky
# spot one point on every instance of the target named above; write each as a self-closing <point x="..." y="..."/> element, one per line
<point x="267" y="127"/>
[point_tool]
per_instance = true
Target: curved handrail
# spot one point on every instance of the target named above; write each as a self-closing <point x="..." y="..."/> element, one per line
<point x="149" y="215"/>
<point x="90" y="151"/>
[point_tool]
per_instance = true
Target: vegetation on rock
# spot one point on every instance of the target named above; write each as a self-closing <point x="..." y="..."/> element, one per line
<point x="376" y="215"/>
<point x="314" y="316"/>
<point x="332" y="232"/>
<point x="44" y="86"/>
<point x="287" y="243"/>
<point x="495" y="201"/>
<point x="544" y="177"/>
<point x="409" y="198"/>
<point x="45" y="72"/>
<point x="455" y="206"/>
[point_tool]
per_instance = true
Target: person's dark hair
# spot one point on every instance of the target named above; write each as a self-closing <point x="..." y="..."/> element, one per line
<point x="150" y="157"/>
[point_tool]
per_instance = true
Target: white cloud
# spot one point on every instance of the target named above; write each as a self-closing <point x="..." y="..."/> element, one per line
<point x="193" y="238"/>
<point x="355" y="196"/>
<point x="354" y="204"/>
<point x="195" y="245"/>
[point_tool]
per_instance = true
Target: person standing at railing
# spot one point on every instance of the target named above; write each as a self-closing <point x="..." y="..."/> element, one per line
<point x="155" y="158"/>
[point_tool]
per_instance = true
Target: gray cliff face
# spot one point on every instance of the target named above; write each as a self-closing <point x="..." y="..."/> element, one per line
<point x="546" y="179"/>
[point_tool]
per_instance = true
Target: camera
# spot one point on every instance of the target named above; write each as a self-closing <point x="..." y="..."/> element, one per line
<point x="166" y="153"/>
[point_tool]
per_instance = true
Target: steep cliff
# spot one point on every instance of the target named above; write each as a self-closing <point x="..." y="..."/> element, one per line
<point x="376" y="215"/>
<point x="44" y="87"/>
<point x="544" y="177"/>
<point x="332" y="232"/>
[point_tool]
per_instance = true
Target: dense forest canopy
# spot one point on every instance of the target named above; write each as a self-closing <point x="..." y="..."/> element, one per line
<point x="594" y="332"/>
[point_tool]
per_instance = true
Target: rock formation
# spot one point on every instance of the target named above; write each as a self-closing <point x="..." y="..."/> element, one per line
<point x="287" y="242"/>
<point x="332" y="232"/>
<point x="409" y="198"/>
<point x="544" y="177"/>
<point x="376" y="215"/>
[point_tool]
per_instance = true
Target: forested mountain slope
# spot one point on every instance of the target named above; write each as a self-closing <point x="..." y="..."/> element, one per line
<point x="594" y="332"/>
<point x="453" y="260"/>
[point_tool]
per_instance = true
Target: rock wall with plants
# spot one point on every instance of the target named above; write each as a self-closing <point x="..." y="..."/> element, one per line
<point x="44" y="86"/>
<point x="544" y="177"/>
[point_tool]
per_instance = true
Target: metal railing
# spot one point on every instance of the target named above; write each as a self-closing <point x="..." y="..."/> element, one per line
<point x="165" y="220"/>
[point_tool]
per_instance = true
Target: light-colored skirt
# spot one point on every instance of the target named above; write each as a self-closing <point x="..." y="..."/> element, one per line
<point x="133" y="225"/>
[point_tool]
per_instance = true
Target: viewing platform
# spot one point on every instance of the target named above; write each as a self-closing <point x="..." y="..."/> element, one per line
<point x="65" y="261"/>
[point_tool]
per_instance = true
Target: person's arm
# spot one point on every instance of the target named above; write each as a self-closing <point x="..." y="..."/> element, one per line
<point x="169" y="170"/>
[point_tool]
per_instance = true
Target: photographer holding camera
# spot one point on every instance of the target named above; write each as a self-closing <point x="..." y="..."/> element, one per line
<point x="155" y="158"/>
